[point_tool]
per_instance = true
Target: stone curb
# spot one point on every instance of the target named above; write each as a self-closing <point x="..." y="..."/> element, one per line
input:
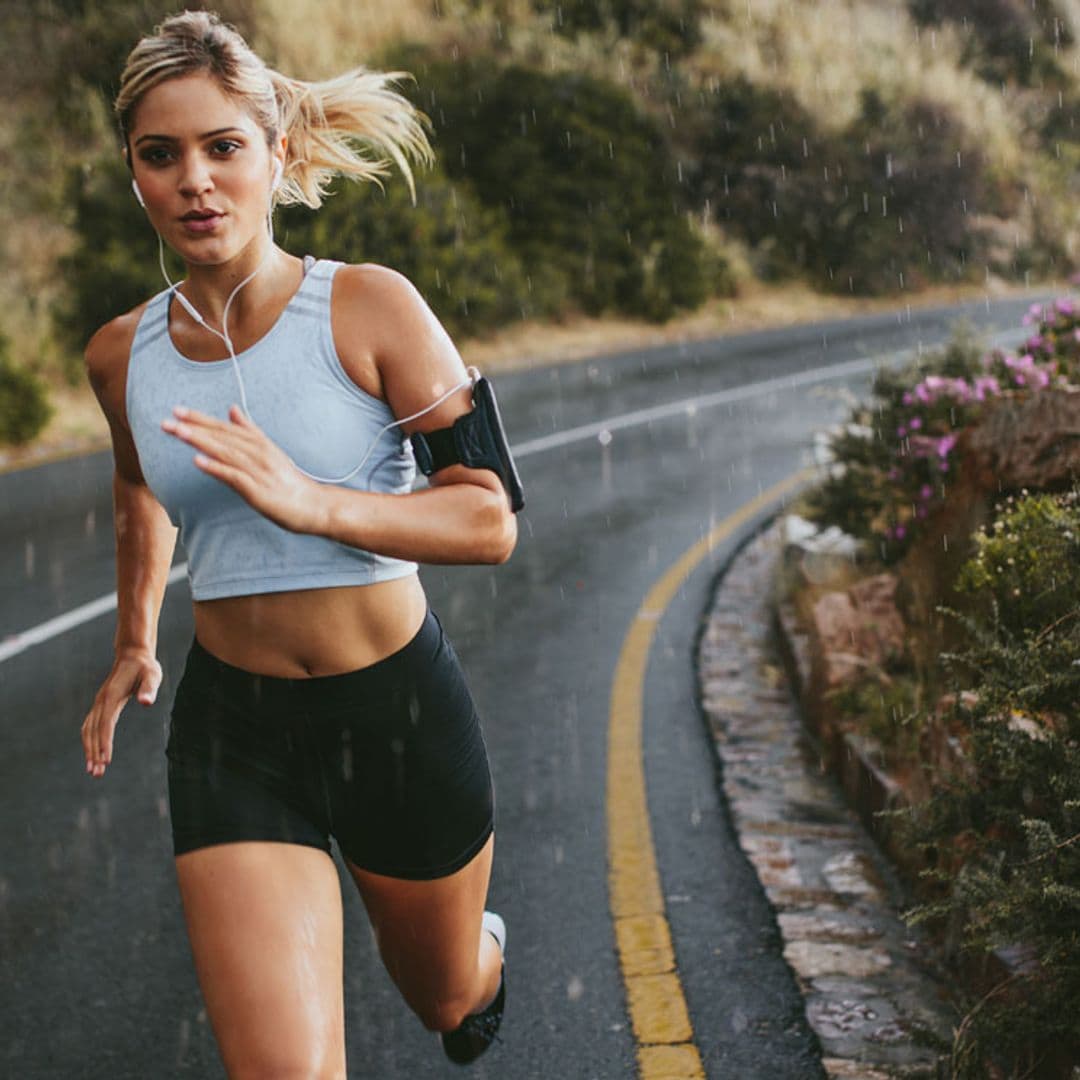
<point x="877" y="1009"/>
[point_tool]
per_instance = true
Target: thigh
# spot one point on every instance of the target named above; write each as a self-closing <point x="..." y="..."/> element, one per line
<point x="428" y="932"/>
<point x="265" y="925"/>
<point x="408" y="779"/>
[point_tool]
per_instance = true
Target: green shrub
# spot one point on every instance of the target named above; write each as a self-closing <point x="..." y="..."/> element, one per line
<point x="670" y="27"/>
<point x="1003" y="836"/>
<point x="113" y="265"/>
<point x="583" y="178"/>
<point x="452" y="248"/>
<point x="24" y="401"/>
<point x="882" y="206"/>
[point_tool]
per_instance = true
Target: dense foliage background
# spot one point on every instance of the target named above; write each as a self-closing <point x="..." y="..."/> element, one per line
<point x="594" y="156"/>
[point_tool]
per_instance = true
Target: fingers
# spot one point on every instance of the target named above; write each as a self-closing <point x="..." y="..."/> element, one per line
<point x="100" y="724"/>
<point x="97" y="734"/>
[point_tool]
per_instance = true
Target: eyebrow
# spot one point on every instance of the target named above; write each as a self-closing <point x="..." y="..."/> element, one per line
<point x="205" y="135"/>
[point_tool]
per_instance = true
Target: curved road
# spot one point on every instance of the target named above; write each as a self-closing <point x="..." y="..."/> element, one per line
<point x="96" y="979"/>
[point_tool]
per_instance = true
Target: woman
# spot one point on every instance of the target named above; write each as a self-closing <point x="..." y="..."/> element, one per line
<point x="319" y="696"/>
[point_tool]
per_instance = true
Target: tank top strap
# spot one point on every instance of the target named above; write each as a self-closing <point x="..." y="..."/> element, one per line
<point x="318" y="283"/>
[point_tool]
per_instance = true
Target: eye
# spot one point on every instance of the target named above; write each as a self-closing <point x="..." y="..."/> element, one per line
<point x="225" y="147"/>
<point x="155" y="155"/>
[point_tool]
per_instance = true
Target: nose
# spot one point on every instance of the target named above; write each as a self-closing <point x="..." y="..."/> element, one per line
<point x="195" y="176"/>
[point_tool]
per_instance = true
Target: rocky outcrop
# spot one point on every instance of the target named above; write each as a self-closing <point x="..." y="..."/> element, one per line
<point x="855" y="629"/>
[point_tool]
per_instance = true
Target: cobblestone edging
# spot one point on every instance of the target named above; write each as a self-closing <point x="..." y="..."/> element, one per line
<point x="878" y="1013"/>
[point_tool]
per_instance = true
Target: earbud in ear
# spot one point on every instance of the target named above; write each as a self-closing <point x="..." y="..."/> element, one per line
<point x="278" y="170"/>
<point x="138" y="193"/>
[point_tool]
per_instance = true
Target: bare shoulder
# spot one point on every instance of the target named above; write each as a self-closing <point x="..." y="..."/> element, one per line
<point x="107" y="351"/>
<point x="384" y="328"/>
<point x="374" y="300"/>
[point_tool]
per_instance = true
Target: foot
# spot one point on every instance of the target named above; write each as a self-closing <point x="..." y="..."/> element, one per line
<point x="478" y="1030"/>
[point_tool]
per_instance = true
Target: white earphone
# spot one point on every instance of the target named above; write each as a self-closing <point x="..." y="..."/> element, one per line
<point x="223" y="333"/>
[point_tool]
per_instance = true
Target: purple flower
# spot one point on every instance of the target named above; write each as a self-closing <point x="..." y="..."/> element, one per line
<point x="1019" y="380"/>
<point x="1064" y="306"/>
<point x="900" y="532"/>
<point x="916" y="423"/>
<point x="901" y="431"/>
<point x="945" y="444"/>
<point x="925" y="491"/>
<point x="907" y="399"/>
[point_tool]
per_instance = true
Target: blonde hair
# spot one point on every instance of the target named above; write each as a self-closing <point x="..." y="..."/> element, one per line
<point x="326" y="123"/>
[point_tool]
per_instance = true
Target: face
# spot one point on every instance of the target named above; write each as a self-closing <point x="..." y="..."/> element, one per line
<point x="204" y="168"/>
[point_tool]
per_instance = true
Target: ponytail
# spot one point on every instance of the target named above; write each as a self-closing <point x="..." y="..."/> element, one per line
<point x="327" y="123"/>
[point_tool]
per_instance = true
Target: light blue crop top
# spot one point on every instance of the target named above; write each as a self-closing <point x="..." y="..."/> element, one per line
<point x="302" y="398"/>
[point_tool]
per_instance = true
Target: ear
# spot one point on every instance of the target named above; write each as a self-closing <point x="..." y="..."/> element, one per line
<point x="280" y="155"/>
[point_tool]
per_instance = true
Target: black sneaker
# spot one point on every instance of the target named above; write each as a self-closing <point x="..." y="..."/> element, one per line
<point x="479" y="1030"/>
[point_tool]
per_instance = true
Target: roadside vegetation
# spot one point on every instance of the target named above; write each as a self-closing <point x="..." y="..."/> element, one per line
<point x="959" y="480"/>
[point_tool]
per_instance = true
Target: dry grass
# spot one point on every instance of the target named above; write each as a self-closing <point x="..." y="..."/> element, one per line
<point x="319" y="40"/>
<point x="826" y="51"/>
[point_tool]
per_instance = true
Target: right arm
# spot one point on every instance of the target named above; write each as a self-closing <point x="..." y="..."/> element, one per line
<point x="145" y="542"/>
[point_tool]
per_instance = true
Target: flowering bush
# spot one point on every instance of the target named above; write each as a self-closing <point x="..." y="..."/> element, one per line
<point x="893" y="463"/>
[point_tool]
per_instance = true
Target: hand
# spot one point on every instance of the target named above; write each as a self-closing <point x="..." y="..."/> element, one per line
<point x="239" y="454"/>
<point x="133" y="669"/>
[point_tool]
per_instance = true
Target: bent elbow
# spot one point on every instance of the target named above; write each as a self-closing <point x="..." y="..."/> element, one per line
<point x="502" y="532"/>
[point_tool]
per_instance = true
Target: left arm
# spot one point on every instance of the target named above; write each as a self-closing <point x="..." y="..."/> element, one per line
<point x="465" y="515"/>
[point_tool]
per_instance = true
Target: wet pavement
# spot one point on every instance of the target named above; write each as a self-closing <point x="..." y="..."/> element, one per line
<point x="871" y="995"/>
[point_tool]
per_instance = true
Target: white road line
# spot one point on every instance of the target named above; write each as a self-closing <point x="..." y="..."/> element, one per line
<point x="16" y="643"/>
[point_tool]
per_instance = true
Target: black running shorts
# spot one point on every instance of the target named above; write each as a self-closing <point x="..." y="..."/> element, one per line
<point x="388" y="759"/>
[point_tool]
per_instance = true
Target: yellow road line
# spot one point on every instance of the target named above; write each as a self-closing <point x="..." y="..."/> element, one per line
<point x="658" y="1013"/>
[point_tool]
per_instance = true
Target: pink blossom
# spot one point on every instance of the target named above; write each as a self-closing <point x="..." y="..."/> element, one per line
<point x="945" y="444"/>
<point x="900" y="532"/>
<point x="901" y="431"/>
<point x="925" y="491"/>
<point x="915" y="423"/>
<point x="908" y="399"/>
<point x="1020" y="380"/>
<point x="1064" y="305"/>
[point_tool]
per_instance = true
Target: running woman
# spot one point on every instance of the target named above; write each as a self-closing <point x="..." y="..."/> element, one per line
<point x="320" y="696"/>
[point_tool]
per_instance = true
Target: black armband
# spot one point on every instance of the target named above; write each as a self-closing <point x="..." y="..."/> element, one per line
<point x="476" y="439"/>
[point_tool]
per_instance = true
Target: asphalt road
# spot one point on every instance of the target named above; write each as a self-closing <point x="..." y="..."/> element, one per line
<point x="96" y="978"/>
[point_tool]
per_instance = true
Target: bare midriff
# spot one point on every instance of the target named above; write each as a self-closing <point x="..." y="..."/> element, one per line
<point x="310" y="632"/>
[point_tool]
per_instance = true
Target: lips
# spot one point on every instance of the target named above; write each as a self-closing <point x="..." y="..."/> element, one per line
<point x="201" y="221"/>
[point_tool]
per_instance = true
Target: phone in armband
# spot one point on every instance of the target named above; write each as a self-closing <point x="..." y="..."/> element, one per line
<point x="476" y="439"/>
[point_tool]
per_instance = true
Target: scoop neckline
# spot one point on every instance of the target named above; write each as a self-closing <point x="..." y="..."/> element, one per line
<point x="254" y="346"/>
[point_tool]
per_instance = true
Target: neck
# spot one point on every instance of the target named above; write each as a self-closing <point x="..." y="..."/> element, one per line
<point x="209" y="288"/>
